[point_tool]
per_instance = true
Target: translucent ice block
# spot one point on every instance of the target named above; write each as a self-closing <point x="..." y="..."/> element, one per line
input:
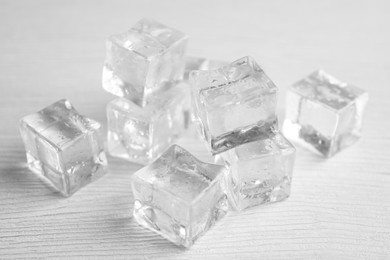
<point x="260" y="171"/>
<point x="179" y="197"/>
<point x="142" y="59"/>
<point x="324" y="114"/>
<point x="141" y="134"/>
<point x="63" y="148"/>
<point x="234" y="104"/>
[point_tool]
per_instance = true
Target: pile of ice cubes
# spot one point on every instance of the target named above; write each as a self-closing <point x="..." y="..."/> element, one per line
<point x="160" y="92"/>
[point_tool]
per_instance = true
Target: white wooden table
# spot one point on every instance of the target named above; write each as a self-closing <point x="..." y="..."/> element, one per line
<point x="339" y="208"/>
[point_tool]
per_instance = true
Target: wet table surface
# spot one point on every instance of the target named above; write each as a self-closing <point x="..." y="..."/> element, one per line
<point x="339" y="208"/>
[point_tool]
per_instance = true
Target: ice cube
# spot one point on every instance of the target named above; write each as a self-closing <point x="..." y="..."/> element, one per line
<point x="324" y="114"/>
<point x="234" y="104"/>
<point x="179" y="197"/>
<point x="141" y="134"/>
<point x="259" y="172"/>
<point x="63" y="148"/>
<point x="141" y="60"/>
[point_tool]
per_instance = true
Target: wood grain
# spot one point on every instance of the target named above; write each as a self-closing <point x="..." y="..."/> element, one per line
<point x="339" y="208"/>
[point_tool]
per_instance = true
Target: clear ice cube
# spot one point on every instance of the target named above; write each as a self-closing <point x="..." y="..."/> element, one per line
<point x="234" y="104"/>
<point x="63" y="148"/>
<point x="141" y="60"/>
<point x="260" y="171"/>
<point x="324" y="114"/>
<point x="179" y="197"/>
<point x="141" y="134"/>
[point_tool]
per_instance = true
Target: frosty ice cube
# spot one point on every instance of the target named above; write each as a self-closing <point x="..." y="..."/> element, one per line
<point x="260" y="171"/>
<point x="324" y="114"/>
<point x="142" y="59"/>
<point x="63" y="148"/>
<point x="179" y="197"/>
<point x="141" y="134"/>
<point x="199" y="63"/>
<point x="234" y="104"/>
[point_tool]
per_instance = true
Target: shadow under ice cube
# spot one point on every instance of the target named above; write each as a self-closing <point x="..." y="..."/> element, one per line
<point x="324" y="114"/>
<point x="179" y="197"/>
<point x="63" y="148"/>
<point x="233" y="105"/>
<point x="260" y="171"/>
<point x="140" y="60"/>
<point x="141" y="134"/>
